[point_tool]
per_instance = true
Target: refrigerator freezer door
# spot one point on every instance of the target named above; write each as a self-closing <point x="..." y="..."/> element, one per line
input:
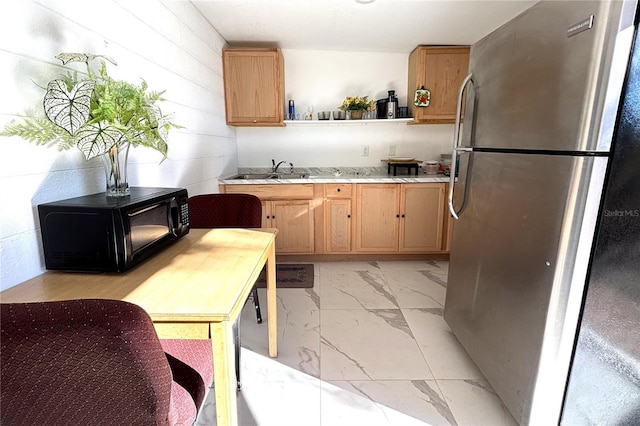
<point x="512" y="261"/>
<point x="538" y="88"/>
<point x="604" y="385"/>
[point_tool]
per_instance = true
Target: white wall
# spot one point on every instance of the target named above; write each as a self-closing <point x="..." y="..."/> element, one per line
<point x="322" y="79"/>
<point x="167" y="43"/>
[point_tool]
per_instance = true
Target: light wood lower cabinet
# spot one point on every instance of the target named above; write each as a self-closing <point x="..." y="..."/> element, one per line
<point x="421" y="217"/>
<point x="289" y="208"/>
<point x="354" y="218"/>
<point x="399" y="217"/>
<point x="377" y="217"/>
<point x="294" y="221"/>
<point x="337" y="218"/>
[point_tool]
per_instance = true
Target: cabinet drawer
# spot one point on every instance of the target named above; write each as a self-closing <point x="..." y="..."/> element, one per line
<point x="274" y="192"/>
<point x="338" y="190"/>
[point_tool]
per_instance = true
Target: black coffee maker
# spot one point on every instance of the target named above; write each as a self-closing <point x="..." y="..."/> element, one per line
<point x="387" y="108"/>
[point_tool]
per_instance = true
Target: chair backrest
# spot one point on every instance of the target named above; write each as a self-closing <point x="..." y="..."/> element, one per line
<point x="225" y="211"/>
<point x="74" y="362"/>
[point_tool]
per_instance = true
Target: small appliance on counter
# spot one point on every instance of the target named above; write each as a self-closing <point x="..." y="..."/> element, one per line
<point x="381" y="108"/>
<point x="409" y="163"/>
<point x="96" y="233"/>
<point x="388" y="107"/>
<point x="392" y="105"/>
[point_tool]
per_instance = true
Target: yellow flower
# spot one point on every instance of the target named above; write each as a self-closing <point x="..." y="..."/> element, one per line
<point x="357" y="103"/>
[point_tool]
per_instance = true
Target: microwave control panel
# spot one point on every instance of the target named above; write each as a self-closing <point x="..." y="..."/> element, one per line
<point x="184" y="213"/>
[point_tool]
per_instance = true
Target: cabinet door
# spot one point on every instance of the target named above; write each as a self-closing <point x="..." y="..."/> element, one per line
<point x="377" y="217"/>
<point x="294" y="221"/>
<point x="440" y="69"/>
<point x="253" y="84"/>
<point x="337" y="225"/>
<point x="266" y="214"/>
<point x="422" y="215"/>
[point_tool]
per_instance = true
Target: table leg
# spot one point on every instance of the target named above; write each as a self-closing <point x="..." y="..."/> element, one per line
<point x="272" y="302"/>
<point x="224" y="373"/>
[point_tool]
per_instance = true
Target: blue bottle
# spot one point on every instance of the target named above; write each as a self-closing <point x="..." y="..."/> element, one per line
<point x="292" y="110"/>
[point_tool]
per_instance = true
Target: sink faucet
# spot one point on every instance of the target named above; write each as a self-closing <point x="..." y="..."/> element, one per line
<point x="274" y="166"/>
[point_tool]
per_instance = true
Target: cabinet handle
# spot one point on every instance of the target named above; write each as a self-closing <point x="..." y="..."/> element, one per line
<point x="268" y="217"/>
<point x="349" y="216"/>
<point x="397" y="215"/>
<point x="338" y="189"/>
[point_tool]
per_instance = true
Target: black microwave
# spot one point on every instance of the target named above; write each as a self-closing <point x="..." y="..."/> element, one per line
<point x="96" y="233"/>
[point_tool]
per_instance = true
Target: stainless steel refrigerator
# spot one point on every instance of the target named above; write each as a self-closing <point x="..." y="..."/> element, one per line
<point x="533" y="148"/>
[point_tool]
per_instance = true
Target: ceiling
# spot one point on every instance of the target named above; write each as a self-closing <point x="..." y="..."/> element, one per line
<point x="353" y="25"/>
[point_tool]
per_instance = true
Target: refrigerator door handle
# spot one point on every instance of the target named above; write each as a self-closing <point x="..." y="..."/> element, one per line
<point x="456" y="146"/>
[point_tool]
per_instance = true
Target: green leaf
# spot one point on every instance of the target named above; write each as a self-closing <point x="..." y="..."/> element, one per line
<point x="69" y="110"/>
<point x="97" y="113"/>
<point x="40" y="131"/>
<point x="81" y="57"/>
<point x="97" y="139"/>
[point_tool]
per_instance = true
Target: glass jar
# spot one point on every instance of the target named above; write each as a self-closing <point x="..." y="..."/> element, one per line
<point x="432" y="168"/>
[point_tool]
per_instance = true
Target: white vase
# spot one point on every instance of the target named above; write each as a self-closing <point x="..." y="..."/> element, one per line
<point x="115" y="167"/>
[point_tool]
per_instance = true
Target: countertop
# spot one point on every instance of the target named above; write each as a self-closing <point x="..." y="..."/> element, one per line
<point x="340" y="179"/>
<point x="349" y="175"/>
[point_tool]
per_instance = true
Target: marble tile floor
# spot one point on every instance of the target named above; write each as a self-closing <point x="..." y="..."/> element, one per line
<point x="367" y="345"/>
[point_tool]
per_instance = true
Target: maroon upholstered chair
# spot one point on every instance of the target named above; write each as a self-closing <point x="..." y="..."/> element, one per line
<point x="91" y="362"/>
<point x="228" y="211"/>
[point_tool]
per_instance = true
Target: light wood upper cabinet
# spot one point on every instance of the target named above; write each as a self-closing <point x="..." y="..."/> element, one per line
<point x="253" y="86"/>
<point x="440" y="69"/>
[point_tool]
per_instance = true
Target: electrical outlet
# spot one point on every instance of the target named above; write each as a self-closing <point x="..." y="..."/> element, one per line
<point x="365" y="150"/>
<point x="392" y="150"/>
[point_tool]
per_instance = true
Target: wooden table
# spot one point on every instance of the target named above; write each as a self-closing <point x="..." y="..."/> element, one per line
<point x="194" y="289"/>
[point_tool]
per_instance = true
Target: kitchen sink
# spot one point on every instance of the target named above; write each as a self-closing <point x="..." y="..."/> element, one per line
<point x="292" y="176"/>
<point x="256" y="176"/>
<point x="272" y="176"/>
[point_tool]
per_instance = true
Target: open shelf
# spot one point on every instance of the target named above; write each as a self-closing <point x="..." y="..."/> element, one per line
<point x="345" y="122"/>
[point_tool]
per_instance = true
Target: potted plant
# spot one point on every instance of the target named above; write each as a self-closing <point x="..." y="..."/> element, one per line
<point x="100" y="116"/>
<point x="356" y="105"/>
